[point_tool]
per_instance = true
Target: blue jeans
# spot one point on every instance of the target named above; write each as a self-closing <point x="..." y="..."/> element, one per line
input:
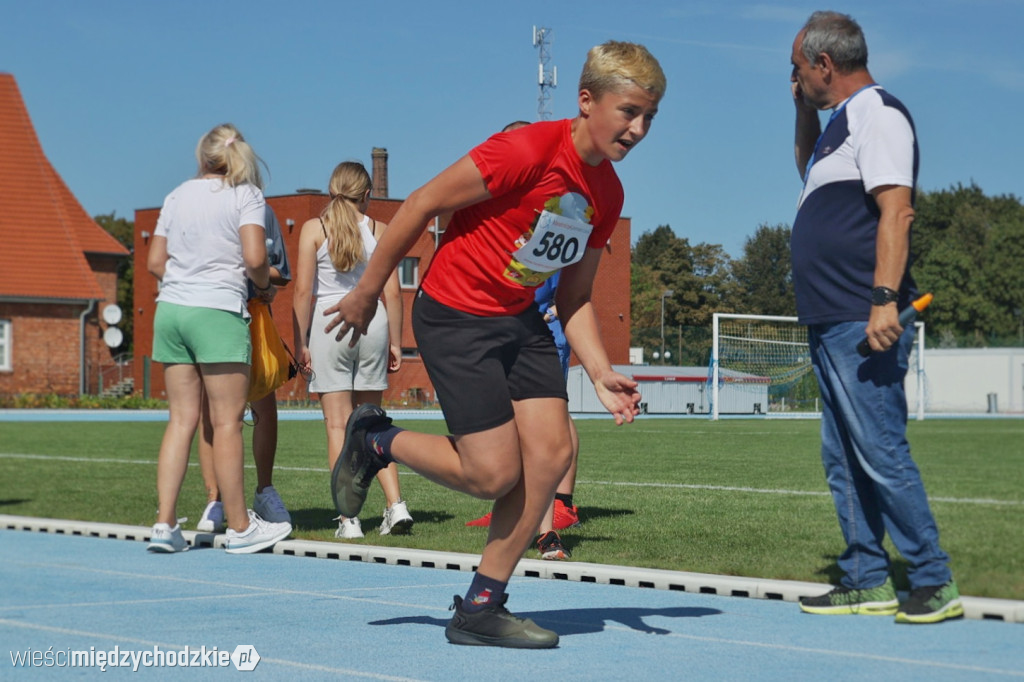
<point x="875" y="485"/>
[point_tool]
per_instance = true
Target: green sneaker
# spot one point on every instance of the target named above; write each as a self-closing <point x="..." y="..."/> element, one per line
<point x="495" y="626"/>
<point x="845" y="601"/>
<point x="932" y="604"/>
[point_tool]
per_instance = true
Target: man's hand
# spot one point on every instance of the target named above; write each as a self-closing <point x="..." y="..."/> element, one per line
<point x="352" y="313"/>
<point x="883" y="328"/>
<point x="619" y="396"/>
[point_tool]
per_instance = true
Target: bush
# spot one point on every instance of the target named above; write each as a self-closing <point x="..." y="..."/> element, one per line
<point x="53" y="401"/>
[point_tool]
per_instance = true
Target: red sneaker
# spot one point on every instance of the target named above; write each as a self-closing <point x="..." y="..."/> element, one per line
<point x="483" y="521"/>
<point x="565" y="517"/>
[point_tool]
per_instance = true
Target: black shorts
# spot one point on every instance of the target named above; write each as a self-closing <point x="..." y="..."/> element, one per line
<point x="479" y="365"/>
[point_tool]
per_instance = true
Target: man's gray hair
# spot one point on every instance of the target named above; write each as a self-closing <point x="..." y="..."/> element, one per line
<point x="838" y="36"/>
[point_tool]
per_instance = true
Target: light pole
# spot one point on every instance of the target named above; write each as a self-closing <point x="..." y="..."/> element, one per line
<point x="664" y="294"/>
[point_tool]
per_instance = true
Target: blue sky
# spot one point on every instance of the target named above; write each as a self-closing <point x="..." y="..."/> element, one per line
<point x="120" y="91"/>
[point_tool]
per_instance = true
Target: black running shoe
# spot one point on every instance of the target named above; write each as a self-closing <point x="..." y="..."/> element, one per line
<point x="551" y="548"/>
<point x="356" y="466"/>
<point x="495" y="626"/>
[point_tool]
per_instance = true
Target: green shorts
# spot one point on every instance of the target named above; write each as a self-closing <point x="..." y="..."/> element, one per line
<point x="199" y="336"/>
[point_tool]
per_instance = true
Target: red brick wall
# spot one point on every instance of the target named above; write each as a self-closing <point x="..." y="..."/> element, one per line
<point x="611" y="296"/>
<point x="45" y="351"/>
<point x="45" y="340"/>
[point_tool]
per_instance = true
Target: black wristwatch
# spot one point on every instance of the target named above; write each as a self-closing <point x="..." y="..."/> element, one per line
<point x="884" y="296"/>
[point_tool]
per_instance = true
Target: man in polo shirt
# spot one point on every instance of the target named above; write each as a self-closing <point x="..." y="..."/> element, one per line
<point x="851" y="245"/>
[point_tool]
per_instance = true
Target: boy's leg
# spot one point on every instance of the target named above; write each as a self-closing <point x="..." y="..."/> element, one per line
<point x="485" y="464"/>
<point x="546" y="452"/>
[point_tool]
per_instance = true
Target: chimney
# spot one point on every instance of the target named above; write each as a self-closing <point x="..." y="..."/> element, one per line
<point x="380" y="173"/>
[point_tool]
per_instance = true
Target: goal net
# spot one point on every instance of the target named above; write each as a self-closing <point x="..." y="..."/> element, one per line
<point x="761" y="364"/>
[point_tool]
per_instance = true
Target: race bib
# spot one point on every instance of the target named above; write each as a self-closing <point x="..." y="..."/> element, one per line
<point x="557" y="242"/>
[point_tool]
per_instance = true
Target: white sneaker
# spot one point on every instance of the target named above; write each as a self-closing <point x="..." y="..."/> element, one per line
<point x="212" y="520"/>
<point x="258" y="536"/>
<point x="348" y="529"/>
<point x="397" y="519"/>
<point x="269" y="506"/>
<point x="166" y="539"/>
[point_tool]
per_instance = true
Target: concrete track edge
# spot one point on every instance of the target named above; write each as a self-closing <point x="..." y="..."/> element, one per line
<point x="982" y="608"/>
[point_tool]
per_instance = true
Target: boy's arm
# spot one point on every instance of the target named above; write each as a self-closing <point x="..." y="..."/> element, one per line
<point x="459" y="185"/>
<point x="576" y="311"/>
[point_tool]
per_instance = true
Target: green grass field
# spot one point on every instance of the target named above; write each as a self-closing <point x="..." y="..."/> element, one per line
<point x="737" y="497"/>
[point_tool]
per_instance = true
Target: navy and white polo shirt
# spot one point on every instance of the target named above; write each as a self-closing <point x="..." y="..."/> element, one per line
<point x="869" y="142"/>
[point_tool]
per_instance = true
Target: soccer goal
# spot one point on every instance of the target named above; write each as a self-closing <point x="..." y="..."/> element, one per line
<point x="761" y="364"/>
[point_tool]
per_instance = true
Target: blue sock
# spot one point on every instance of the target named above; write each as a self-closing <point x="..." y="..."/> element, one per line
<point x="483" y="592"/>
<point x="379" y="440"/>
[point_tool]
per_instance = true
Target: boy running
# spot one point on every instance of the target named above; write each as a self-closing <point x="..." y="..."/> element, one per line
<point x="528" y="203"/>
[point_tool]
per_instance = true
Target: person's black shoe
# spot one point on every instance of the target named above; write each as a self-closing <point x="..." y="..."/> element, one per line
<point x="495" y="626"/>
<point x="356" y="465"/>
<point x="551" y="548"/>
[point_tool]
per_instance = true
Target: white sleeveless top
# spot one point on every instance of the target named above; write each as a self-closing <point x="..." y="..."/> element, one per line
<point x="331" y="286"/>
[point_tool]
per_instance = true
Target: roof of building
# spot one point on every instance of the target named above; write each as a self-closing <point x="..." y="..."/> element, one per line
<point x="44" y="231"/>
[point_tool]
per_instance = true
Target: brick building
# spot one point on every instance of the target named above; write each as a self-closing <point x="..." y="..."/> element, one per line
<point x="58" y="269"/>
<point x="410" y="386"/>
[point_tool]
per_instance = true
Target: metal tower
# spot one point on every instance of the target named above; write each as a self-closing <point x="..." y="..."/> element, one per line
<point x="547" y="78"/>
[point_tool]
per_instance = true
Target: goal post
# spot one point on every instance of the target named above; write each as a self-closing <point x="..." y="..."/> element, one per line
<point x="768" y="356"/>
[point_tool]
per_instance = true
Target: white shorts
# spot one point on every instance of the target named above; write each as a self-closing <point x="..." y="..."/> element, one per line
<point x="337" y="367"/>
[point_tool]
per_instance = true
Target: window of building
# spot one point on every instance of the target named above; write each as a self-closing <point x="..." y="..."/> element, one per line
<point x="409" y="273"/>
<point x="5" y="345"/>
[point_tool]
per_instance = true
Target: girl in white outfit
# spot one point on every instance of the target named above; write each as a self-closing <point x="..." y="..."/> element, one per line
<point x="333" y="252"/>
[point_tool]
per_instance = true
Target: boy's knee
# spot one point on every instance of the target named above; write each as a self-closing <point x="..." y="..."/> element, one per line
<point x="491" y="484"/>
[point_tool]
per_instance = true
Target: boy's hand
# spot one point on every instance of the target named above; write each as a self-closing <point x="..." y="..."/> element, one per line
<point x="352" y="313"/>
<point x="619" y="395"/>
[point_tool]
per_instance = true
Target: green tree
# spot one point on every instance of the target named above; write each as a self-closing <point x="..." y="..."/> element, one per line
<point x="123" y="230"/>
<point x="764" y="275"/>
<point x="700" y="279"/>
<point x="968" y="250"/>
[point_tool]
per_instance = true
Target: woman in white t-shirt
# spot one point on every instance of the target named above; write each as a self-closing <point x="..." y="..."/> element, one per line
<point x="208" y="239"/>
<point x="333" y="252"/>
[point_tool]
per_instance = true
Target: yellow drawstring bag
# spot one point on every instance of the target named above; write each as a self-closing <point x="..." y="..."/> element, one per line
<point x="270" y="364"/>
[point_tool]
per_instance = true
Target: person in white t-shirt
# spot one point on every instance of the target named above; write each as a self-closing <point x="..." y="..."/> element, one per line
<point x="208" y="239"/>
<point x="333" y="251"/>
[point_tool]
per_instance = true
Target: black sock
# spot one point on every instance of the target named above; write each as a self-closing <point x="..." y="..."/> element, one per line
<point x="483" y="592"/>
<point x="379" y="440"/>
<point x="566" y="499"/>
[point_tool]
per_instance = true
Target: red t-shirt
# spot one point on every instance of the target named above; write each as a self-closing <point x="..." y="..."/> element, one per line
<point x="531" y="171"/>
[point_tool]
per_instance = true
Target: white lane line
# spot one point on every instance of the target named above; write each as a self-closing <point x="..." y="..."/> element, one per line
<point x="629" y="484"/>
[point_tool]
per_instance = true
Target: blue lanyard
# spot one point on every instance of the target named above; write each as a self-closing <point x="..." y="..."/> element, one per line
<point x="838" y="110"/>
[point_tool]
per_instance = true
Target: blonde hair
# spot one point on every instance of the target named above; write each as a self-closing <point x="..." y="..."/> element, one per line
<point x="223" y="151"/>
<point x="348" y="186"/>
<point x="611" y="65"/>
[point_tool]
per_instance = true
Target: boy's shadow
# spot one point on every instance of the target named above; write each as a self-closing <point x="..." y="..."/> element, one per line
<point x="589" y="513"/>
<point x="582" y="621"/>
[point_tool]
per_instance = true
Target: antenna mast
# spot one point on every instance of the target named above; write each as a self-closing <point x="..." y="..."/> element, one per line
<point x="547" y="78"/>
